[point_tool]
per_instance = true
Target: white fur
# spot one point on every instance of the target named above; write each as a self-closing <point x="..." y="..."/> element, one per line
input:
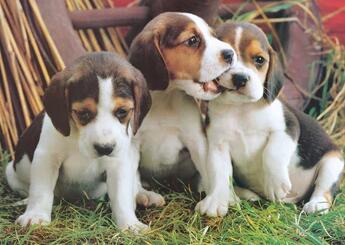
<point x="264" y="158"/>
<point x="248" y="136"/>
<point x="238" y="35"/>
<point x="69" y="167"/>
<point x="174" y="121"/>
<point x="330" y="169"/>
<point x="172" y="124"/>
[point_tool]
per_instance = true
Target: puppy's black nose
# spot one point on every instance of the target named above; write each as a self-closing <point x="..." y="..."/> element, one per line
<point x="228" y="55"/>
<point x="104" y="150"/>
<point x="240" y="80"/>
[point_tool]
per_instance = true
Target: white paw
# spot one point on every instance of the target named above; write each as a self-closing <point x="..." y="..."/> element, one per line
<point x="276" y="187"/>
<point x="150" y="198"/>
<point x="134" y="226"/>
<point x="246" y="194"/>
<point x="216" y="205"/>
<point x="319" y="204"/>
<point x="32" y="218"/>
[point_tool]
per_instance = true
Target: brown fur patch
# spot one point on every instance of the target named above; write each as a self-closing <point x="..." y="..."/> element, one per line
<point x="126" y="104"/>
<point x="123" y="103"/>
<point x="182" y="61"/>
<point x="328" y="196"/>
<point x="334" y="153"/>
<point x="160" y="53"/>
<point x="88" y="104"/>
<point x="254" y="49"/>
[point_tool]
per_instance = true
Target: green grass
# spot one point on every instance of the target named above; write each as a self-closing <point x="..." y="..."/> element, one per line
<point x="176" y="223"/>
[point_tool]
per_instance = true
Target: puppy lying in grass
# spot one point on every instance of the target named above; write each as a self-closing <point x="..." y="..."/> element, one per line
<point x="271" y="149"/>
<point x="82" y="142"/>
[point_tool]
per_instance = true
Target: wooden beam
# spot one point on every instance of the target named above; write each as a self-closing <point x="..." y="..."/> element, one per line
<point x="108" y="17"/>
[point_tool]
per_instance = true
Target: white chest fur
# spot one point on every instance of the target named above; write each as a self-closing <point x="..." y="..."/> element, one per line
<point x="172" y="124"/>
<point x="244" y="130"/>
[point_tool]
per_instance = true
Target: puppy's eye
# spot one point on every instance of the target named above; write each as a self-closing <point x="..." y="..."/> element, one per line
<point x="194" y="42"/>
<point x="259" y="60"/>
<point x="84" y="116"/>
<point x="121" y="113"/>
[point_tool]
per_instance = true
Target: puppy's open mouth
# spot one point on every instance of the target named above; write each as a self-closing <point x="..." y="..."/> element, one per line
<point x="212" y="86"/>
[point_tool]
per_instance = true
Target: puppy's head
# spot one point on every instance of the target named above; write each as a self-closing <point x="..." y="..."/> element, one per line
<point x="257" y="73"/>
<point x="181" y="49"/>
<point x="101" y="99"/>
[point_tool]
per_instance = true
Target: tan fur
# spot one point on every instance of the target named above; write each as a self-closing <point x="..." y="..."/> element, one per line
<point x="86" y="104"/>
<point x="124" y="103"/>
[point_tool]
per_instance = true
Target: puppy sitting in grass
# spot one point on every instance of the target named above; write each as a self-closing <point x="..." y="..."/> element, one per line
<point x="272" y="149"/>
<point x="82" y="142"/>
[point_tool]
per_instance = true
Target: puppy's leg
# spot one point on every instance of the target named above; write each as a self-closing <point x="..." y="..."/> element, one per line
<point x="15" y="182"/>
<point x="221" y="192"/>
<point x="331" y="168"/>
<point x="276" y="159"/>
<point x="198" y="153"/>
<point x="246" y="194"/>
<point x="122" y="190"/>
<point x="44" y="174"/>
<point x="148" y="198"/>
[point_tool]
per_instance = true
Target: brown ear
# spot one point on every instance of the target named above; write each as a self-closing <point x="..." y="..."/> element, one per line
<point x="56" y="104"/>
<point x="275" y="77"/>
<point x="145" y="54"/>
<point x="142" y="100"/>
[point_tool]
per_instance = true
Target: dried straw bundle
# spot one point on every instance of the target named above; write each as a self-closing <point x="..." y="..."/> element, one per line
<point x="332" y="118"/>
<point x="28" y="57"/>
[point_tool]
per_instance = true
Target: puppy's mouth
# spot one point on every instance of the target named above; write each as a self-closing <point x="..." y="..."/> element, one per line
<point x="212" y="86"/>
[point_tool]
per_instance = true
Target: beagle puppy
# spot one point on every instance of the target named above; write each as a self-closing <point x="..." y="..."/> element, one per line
<point x="82" y="142"/>
<point x="181" y="58"/>
<point x="270" y="148"/>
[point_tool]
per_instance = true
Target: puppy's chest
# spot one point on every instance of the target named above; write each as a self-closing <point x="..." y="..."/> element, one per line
<point x="78" y="169"/>
<point x="164" y="134"/>
<point x="245" y="135"/>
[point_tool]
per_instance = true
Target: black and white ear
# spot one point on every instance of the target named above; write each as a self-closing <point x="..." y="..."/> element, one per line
<point x="142" y="100"/>
<point x="275" y="77"/>
<point x="56" y="103"/>
<point x="145" y="54"/>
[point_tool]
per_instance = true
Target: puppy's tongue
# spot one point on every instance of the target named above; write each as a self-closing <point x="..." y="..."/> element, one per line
<point x="210" y="86"/>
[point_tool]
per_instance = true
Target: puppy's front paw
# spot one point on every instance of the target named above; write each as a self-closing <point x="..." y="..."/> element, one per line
<point x="150" y="198"/>
<point x="32" y="218"/>
<point x="319" y="204"/>
<point x="134" y="226"/>
<point x="215" y="205"/>
<point x="276" y="187"/>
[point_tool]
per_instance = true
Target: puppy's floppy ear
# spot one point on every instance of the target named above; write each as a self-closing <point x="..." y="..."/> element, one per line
<point x="142" y="100"/>
<point x="56" y="103"/>
<point x="145" y="54"/>
<point x="274" y="78"/>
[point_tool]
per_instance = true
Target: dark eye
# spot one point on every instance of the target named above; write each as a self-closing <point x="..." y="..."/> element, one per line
<point x="194" y="42"/>
<point x="259" y="60"/>
<point x="84" y="116"/>
<point x="121" y="113"/>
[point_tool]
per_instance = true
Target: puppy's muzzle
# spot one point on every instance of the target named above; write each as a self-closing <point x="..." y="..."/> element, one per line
<point x="239" y="80"/>
<point x="104" y="150"/>
<point x="228" y="55"/>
